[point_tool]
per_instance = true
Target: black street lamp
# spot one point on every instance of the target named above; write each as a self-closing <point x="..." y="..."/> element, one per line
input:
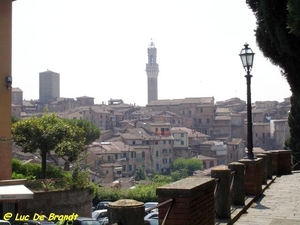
<point x="247" y="56"/>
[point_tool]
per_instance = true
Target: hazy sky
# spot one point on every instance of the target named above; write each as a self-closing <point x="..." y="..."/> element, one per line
<point x="100" y="49"/>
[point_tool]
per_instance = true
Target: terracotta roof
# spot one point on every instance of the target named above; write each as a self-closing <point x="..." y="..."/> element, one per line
<point x="191" y="133"/>
<point x="84" y="97"/>
<point x="222" y="118"/>
<point x="235" y="141"/>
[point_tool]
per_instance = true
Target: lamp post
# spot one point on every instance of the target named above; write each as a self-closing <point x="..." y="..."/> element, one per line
<point x="247" y="56"/>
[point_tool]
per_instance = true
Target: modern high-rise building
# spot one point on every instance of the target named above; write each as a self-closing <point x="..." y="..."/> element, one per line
<point x="49" y="86"/>
<point x="152" y="73"/>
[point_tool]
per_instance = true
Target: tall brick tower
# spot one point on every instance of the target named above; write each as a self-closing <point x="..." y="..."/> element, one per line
<point x="152" y="73"/>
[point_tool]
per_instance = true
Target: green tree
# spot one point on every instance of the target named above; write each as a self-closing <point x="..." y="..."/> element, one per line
<point x="140" y="174"/>
<point x="278" y="37"/>
<point x="91" y="132"/>
<point x="14" y="119"/>
<point x="48" y="133"/>
<point x="189" y="165"/>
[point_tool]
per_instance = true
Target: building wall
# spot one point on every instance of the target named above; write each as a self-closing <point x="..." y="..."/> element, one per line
<point x="5" y="99"/>
<point x="17" y="96"/>
<point x="280" y="132"/>
<point x="261" y="135"/>
<point x="16" y="110"/>
<point x="237" y="126"/>
<point x="49" y="88"/>
<point x="85" y="101"/>
<point x="204" y="117"/>
<point x="161" y="155"/>
<point x="222" y="127"/>
<point x="180" y="139"/>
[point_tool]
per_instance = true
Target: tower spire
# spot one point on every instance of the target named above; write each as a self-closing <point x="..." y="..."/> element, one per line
<point x="152" y="72"/>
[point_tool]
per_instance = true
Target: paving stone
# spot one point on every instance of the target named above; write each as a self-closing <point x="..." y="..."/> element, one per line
<point x="278" y="205"/>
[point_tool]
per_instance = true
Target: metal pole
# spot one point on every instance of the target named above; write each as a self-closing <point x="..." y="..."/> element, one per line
<point x="250" y="154"/>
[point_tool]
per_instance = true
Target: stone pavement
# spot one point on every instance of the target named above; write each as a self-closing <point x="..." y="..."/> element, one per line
<point x="279" y="204"/>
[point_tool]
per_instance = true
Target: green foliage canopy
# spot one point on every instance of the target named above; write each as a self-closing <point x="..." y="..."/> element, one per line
<point x="91" y="132"/>
<point x="49" y="133"/>
<point x="187" y="166"/>
<point x="278" y="37"/>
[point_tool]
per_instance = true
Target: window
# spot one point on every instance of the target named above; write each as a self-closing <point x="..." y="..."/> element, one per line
<point x="133" y="142"/>
<point x="116" y="156"/>
<point x="157" y="154"/>
<point x="182" y="135"/>
<point x="207" y="121"/>
<point x="165" y="160"/>
<point x="170" y="160"/>
<point x="130" y="168"/>
<point x="156" y="142"/>
<point x="157" y="166"/>
<point x="182" y="142"/>
<point x="143" y="155"/>
<point x="199" y="121"/>
<point x="147" y="142"/>
<point x="190" y="112"/>
<point x="201" y="110"/>
<point x="108" y="158"/>
<point x="164" y="142"/>
<point x="170" y="142"/>
<point x="124" y="154"/>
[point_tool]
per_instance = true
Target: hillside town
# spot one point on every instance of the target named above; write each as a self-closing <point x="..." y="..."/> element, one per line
<point x="185" y="160"/>
<point x="152" y="136"/>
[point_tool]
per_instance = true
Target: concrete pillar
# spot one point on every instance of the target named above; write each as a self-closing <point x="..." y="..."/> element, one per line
<point x="193" y="201"/>
<point x="253" y="176"/>
<point x="269" y="164"/>
<point x="238" y="188"/>
<point x="5" y="99"/>
<point x="126" y="212"/>
<point x="222" y="195"/>
<point x="264" y="167"/>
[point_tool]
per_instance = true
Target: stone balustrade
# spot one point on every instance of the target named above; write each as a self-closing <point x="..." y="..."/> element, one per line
<point x="200" y="200"/>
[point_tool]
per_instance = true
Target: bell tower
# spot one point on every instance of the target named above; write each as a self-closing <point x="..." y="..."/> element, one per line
<point x="152" y="73"/>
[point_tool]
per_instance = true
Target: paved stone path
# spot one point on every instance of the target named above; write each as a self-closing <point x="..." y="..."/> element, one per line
<point x="278" y="205"/>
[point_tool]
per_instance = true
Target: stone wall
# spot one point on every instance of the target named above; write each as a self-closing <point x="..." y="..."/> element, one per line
<point x="58" y="202"/>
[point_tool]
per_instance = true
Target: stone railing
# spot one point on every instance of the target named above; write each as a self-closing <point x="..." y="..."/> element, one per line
<point x="202" y="200"/>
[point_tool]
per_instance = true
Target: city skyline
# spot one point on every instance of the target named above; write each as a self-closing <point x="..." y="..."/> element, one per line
<point x="100" y="49"/>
